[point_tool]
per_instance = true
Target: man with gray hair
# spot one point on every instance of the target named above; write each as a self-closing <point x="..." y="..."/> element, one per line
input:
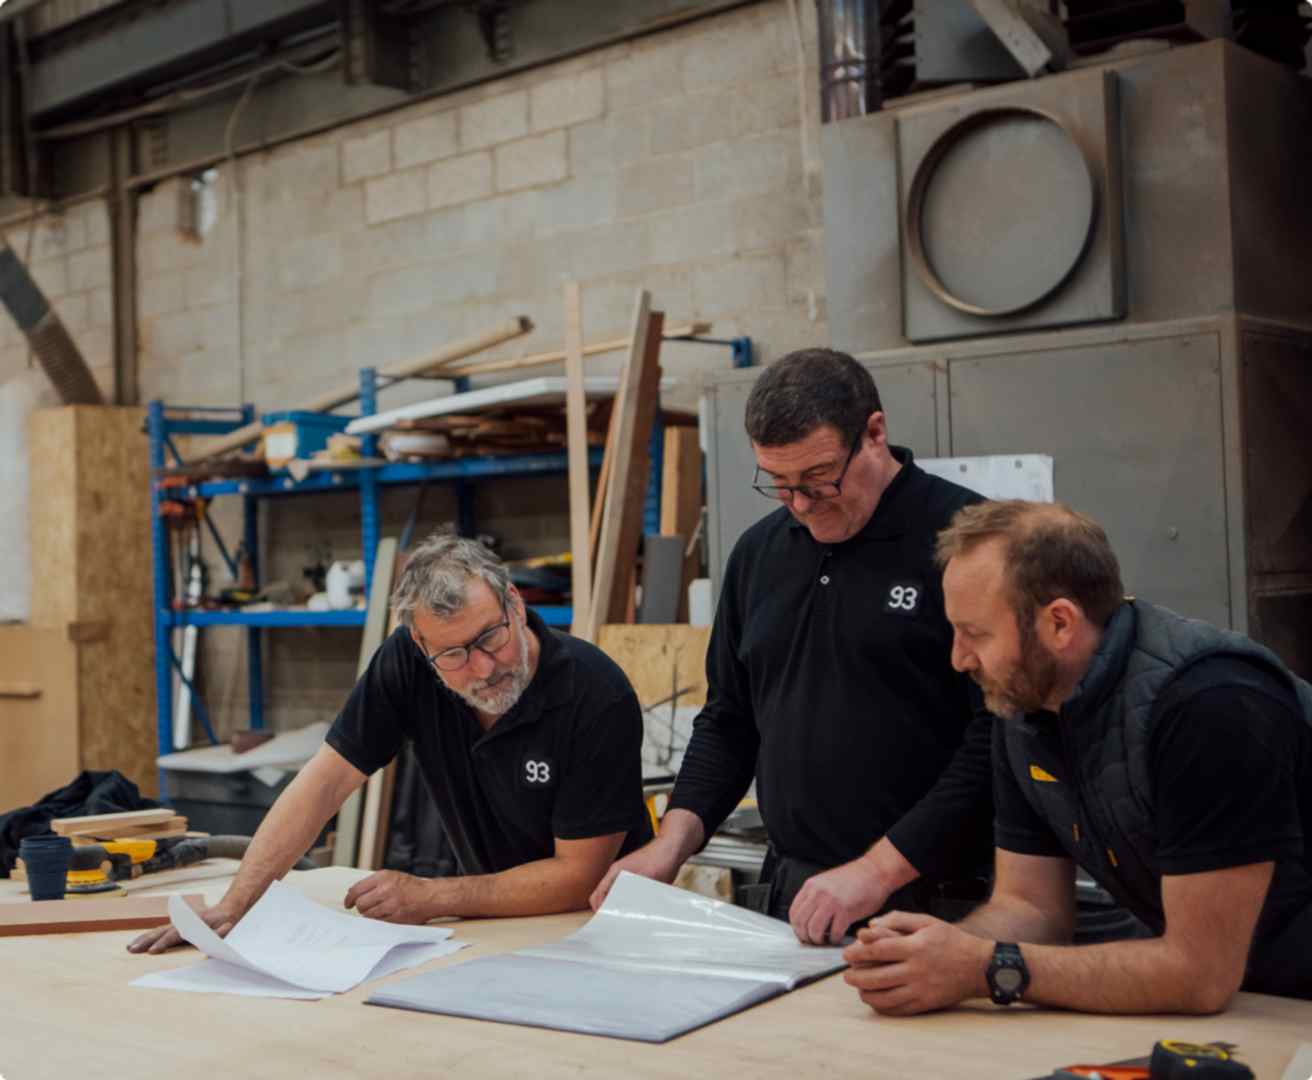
<point x="529" y="741"/>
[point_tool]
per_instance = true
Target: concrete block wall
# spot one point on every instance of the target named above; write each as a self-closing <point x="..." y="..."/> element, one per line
<point x="69" y="258"/>
<point x="674" y="163"/>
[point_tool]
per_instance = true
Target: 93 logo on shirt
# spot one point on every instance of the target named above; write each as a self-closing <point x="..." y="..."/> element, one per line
<point x="536" y="771"/>
<point x="903" y="598"/>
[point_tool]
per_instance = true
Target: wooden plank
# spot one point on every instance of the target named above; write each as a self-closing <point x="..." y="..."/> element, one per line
<point x="620" y="452"/>
<point x="653" y="656"/>
<point x="128" y="819"/>
<point x="603" y="482"/>
<point x="558" y="356"/>
<point x="355" y="838"/>
<point x="576" y="424"/>
<point x="681" y="498"/>
<point x="612" y="598"/>
<point x="89" y="916"/>
<point x="348" y="392"/>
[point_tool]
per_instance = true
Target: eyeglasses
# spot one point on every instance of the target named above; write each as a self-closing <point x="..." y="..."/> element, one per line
<point x="823" y="489"/>
<point x="491" y="640"/>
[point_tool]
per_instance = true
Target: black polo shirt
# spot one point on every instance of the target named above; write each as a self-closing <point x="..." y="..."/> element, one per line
<point x="829" y="676"/>
<point x="564" y="763"/>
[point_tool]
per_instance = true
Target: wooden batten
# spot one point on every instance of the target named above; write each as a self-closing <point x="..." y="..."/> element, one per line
<point x="38" y="735"/>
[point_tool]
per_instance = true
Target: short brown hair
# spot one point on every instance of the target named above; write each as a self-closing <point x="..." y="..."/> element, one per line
<point x="807" y="389"/>
<point x="1051" y="551"/>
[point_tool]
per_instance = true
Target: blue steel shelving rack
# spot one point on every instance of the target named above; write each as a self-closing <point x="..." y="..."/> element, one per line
<point x="162" y="423"/>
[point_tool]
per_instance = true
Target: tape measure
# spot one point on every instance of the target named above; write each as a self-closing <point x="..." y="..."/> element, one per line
<point x="1176" y="1060"/>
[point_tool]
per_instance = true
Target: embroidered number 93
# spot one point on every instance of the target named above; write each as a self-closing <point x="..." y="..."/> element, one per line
<point x="903" y="598"/>
<point x="537" y="772"/>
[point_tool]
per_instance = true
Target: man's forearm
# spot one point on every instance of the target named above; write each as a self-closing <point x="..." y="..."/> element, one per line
<point x="285" y="834"/>
<point x="1014" y="920"/>
<point x="1142" y="976"/>
<point x="543" y="887"/>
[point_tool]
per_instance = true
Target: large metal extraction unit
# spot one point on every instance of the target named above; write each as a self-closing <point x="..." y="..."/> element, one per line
<point x="1108" y="266"/>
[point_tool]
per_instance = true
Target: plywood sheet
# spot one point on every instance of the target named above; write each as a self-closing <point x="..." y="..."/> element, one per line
<point x="654" y="656"/>
<point x="38" y="736"/>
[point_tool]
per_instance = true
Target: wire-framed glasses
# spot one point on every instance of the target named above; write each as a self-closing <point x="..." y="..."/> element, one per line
<point x="816" y="492"/>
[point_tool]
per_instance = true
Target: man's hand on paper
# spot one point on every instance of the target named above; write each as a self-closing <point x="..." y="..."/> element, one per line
<point x="218" y="918"/>
<point x="829" y="903"/>
<point x="654" y="860"/>
<point x="904" y="964"/>
<point x="393" y="897"/>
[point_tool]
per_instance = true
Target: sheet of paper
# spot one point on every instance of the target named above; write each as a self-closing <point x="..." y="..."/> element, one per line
<point x="289" y="750"/>
<point x="290" y="941"/>
<point x="648" y="926"/>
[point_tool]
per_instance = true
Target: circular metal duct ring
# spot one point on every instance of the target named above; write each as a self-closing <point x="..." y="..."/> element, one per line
<point x="914" y="222"/>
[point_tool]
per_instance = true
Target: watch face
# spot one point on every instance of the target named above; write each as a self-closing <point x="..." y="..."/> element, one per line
<point x="1007" y="980"/>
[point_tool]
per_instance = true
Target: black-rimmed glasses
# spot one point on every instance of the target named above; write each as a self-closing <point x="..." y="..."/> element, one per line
<point x="822" y="489"/>
<point x="491" y="640"/>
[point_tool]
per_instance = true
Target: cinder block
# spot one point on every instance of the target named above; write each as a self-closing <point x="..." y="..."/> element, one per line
<point x="51" y="277"/>
<point x="164" y="251"/>
<point x="172" y="335"/>
<point x="400" y="292"/>
<point x="384" y="247"/>
<point x="314" y="164"/>
<point x="158" y="208"/>
<point x="448" y="231"/>
<point x="59" y="234"/>
<point x="506" y="219"/>
<point x="752" y="44"/>
<point x="768" y="105"/>
<point x="310" y="261"/>
<point x="611" y="143"/>
<point x="366" y="156"/>
<point x="692" y="121"/>
<point x="754" y="166"/>
<point x="764" y="221"/>
<point x="161" y="294"/>
<point x="74" y="312"/>
<point x="692" y="232"/>
<point x="805" y="266"/>
<point x="102" y="307"/>
<point x="496" y="120"/>
<point x="742" y="285"/>
<point x="460" y="180"/>
<point x="608" y="249"/>
<point x="88" y="269"/>
<point x="206" y="285"/>
<point x="650" y="71"/>
<point x="655" y="184"/>
<point x="426" y="139"/>
<point x="585" y="199"/>
<point x="565" y="101"/>
<point x="540" y="159"/>
<point x="95" y="215"/>
<point x="390" y="197"/>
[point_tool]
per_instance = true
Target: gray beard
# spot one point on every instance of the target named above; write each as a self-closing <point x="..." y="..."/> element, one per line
<point x="500" y="699"/>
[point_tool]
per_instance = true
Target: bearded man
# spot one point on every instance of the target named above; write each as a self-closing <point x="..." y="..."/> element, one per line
<point x="529" y="740"/>
<point x="1171" y="759"/>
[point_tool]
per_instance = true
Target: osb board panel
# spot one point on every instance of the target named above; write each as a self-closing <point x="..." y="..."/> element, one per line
<point x="115" y="672"/>
<point x="653" y="656"/>
<point x="38" y="736"/>
<point x="91" y="564"/>
<point x="52" y="507"/>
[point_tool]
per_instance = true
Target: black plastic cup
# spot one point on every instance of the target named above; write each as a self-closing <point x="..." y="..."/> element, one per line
<point x="46" y="860"/>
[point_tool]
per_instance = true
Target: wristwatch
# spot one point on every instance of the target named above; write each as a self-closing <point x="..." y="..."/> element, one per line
<point x="1008" y="976"/>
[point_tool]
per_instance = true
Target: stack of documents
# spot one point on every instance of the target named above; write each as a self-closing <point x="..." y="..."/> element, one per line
<point x="289" y="946"/>
<point x="653" y="963"/>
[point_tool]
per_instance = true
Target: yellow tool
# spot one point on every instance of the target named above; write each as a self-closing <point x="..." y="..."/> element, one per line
<point x="96" y="868"/>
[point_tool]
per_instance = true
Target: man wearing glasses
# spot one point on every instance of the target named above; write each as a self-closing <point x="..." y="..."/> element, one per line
<point x="529" y="741"/>
<point x="829" y="672"/>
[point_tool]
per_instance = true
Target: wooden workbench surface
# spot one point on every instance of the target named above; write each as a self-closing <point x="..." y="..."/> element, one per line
<point x="66" y="1009"/>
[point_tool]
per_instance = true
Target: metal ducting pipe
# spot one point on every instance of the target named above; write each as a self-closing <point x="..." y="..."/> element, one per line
<point x="849" y="57"/>
<point x="50" y="341"/>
